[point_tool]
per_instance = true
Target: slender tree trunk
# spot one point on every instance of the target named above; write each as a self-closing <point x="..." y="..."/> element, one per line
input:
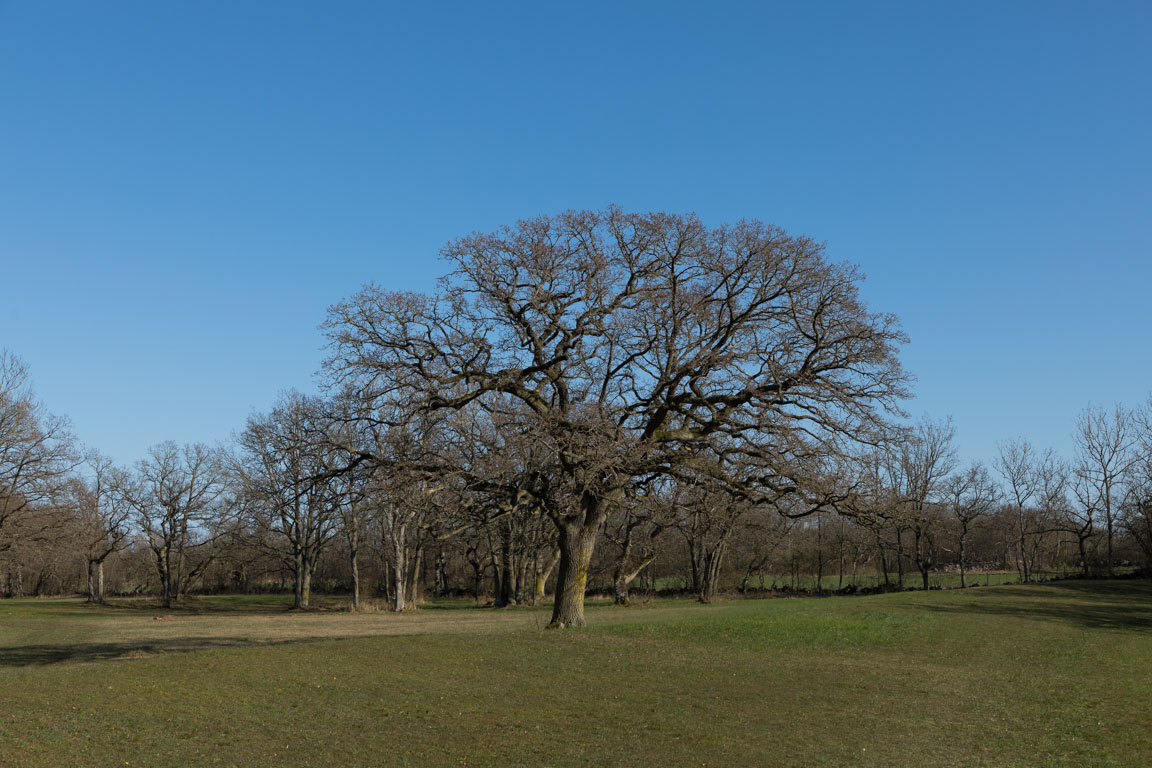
<point x="542" y="575"/>
<point x="297" y="580"/>
<point x="497" y="572"/>
<point x="819" y="554"/>
<point x="1108" y="519"/>
<point x="900" y="559"/>
<point x="883" y="559"/>
<point x="441" y="576"/>
<point x="416" y="579"/>
<point x="840" y="580"/>
<point x="354" y="563"/>
<point x="166" y="590"/>
<point x="399" y="569"/>
<point x="963" y="571"/>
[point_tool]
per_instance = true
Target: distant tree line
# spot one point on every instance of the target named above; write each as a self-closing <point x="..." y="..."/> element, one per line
<point x="594" y="400"/>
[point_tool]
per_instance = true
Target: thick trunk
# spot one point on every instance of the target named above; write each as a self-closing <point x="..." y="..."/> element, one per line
<point x="505" y="592"/>
<point x="93" y="589"/>
<point x="166" y="591"/>
<point x="309" y="569"/>
<point x="576" y="545"/>
<point x="399" y="587"/>
<point x="477" y="578"/>
<point x="711" y="574"/>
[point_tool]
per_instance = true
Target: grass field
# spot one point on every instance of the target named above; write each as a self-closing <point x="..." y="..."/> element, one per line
<point x="1049" y="675"/>
<point x="807" y="582"/>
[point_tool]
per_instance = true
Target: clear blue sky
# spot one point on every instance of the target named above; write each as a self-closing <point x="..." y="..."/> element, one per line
<point x="185" y="188"/>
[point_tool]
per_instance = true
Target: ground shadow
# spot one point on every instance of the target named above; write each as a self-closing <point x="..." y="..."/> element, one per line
<point x="44" y="654"/>
<point x="1118" y="605"/>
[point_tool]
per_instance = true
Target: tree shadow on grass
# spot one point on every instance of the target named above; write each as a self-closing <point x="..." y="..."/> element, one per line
<point x="1116" y="605"/>
<point x="45" y="654"/>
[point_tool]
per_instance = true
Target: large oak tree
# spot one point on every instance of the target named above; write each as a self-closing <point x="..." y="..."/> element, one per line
<point x="633" y="344"/>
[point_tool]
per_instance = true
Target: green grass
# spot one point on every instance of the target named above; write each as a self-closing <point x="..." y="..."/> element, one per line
<point x="1018" y="675"/>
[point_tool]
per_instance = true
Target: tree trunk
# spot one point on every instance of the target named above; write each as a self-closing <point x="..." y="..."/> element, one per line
<point x="506" y="590"/>
<point x="624" y="577"/>
<point x="819" y="554"/>
<point x="399" y="571"/>
<point x="1108" y="520"/>
<point x="416" y="578"/>
<point x="95" y="581"/>
<point x="306" y="589"/>
<point x="577" y="542"/>
<point x="542" y="575"/>
<point x="440" y="580"/>
<point x="354" y="563"/>
<point x="900" y="559"/>
<point x="963" y="572"/>
<point x="710" y="573"/>
<point x="298" y="598"/>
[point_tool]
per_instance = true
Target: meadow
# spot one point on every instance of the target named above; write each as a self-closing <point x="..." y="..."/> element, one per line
<point x="1052" y="675"/>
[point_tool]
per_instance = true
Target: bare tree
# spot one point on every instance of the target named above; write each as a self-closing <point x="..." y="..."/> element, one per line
<point x="1015" y="463"/>
<point x="631" y="340"/>
<point x="1105" y="442"/>
<point x="1137" y="507"/>
<point x="634" y="529"/>
<point x="971" y="495"/>
<point x="103" y="515"/>
<point x="175" y="495"/>
<point x="922" y="466"/>
<point x="36" y="451"/>
<point x="285" y="466"/>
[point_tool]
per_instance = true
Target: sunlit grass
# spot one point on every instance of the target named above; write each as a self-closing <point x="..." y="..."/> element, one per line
<point x="1038" y="675"/>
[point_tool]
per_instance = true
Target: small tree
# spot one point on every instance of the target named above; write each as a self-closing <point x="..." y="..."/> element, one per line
<point x="970" y="495"/>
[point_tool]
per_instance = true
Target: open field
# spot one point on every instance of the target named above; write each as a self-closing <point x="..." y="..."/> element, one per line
<point x="831" y="582"/>
<point x="1048" y="675"/>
